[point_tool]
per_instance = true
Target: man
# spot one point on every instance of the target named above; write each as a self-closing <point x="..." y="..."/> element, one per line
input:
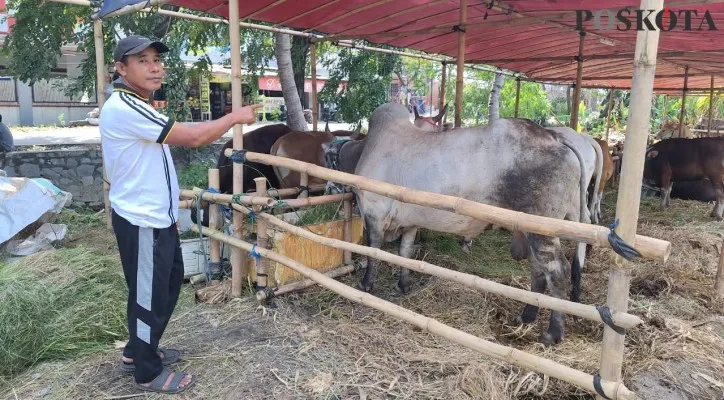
<point x="144" y="196"/>
<point x="6" y="138"/>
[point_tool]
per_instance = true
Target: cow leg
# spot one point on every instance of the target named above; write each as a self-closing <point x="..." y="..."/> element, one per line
<point x="466" y="244"/>
<point x="547" y="259"/>
<point x="666" y="185"/>
<point x="718" y="185"/>
<point x="406" y="248"/>
<point x="538" y="285"/>
<point x="519" y="247"/>
<point x="598" y="207"/>
<point x="374" y="240"/>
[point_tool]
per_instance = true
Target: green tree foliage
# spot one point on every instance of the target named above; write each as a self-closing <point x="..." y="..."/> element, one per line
<point x="368" y="78"/>
<point x="35" y="42"/>
<point x="533" y="103"/>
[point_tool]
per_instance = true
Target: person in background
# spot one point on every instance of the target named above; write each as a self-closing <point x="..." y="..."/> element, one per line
<point x="6" y="138"/>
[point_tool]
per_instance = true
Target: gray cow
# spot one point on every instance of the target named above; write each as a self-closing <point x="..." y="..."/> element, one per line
<point x="511" y="163"/>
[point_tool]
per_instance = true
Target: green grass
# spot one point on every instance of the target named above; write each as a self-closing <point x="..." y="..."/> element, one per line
<point x="319" y="214"/>
<point x="490" y="255"/>
<point x="57" y="305"/>
<point x="81" y="218"/>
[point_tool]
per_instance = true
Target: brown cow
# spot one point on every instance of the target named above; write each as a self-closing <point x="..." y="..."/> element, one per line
<point x="304" y="146"/>
<point x="678" y="159"/>
<point x="606" y="174"/>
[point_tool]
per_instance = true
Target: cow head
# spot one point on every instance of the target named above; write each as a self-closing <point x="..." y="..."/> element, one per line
<point x="431" y="124"/>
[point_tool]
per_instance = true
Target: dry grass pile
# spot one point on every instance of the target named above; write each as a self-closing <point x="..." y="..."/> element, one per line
<point x="59" y="304"/>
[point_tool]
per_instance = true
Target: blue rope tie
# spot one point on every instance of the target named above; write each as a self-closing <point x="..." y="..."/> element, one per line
<point x="618" y="245"/>
<point x="238" y="156"/>
<point x="255" y="254"/>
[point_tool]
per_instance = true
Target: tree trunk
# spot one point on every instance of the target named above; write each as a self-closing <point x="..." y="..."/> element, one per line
<point x="283" y="52"/>
<point x="300" y="49"/>
<point x="494" y="102"/>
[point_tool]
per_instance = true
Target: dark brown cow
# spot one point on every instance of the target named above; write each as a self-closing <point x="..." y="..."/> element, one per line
<point x="259" y="140"/>
<point x="701" y="190"/>
<point x="677" y="159"/>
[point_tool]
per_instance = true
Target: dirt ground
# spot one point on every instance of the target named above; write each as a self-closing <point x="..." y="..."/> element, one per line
<point x="316" y="345"/>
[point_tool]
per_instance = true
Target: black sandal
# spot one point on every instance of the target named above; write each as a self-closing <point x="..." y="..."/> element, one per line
<point x="157" y="384"/>
<point x="170" y="356"/>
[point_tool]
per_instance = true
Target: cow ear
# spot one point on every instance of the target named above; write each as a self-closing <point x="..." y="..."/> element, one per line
<point x="652" y="154"/>
<point x="326" y="146"/>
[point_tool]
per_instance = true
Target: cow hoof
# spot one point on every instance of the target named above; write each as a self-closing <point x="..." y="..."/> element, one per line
<point x="402" y="289"/>
<point x="548" y="340"/>
<point x="520" y="320"/>
<point x="365" y="288"/>
<point x="466" y="248"/>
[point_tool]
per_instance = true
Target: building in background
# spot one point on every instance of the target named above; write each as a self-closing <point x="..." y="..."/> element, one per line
<point x="43" y="103"/>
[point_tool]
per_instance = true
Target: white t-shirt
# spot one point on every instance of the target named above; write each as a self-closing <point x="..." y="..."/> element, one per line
<point x="143" y="183"/>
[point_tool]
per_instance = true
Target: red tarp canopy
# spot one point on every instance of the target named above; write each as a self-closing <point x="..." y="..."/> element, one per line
<point x="534" y="37"/>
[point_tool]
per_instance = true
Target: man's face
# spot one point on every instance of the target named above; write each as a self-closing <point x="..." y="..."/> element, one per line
<point x="143" y="71"/>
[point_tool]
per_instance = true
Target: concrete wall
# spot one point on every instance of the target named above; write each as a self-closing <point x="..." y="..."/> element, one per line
<point x="11" y="115"/>
<point x="78" y="169"/>
<point x="49" y="114"/>
<point x="75" y="170"/>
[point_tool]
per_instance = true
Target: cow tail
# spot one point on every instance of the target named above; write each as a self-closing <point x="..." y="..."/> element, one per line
<point x="580" y="256"/>
<point x="597" y="184"/>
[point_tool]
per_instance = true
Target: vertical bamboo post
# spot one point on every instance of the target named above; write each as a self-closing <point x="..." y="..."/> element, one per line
<point x="629" y="195"/>
<point x="262" y="238"/>
<point x="610" y="111"/>
<point x="214" y="245"/>
<point x="101" y="97"/>
<point x="711" y="106"/>
<point x="239" y="268"/>
<point x="313" y="64"/>
<point x="517" y="95"/>
<point x="441" y="102"/>
<point x="348" y="230"/>
<point x="682" y="113"/>
<point x="719" y="282"/>
<point x="303" y="184"/>
<point x="666" y="114"/>
<point x="461" y="64"/>
<point x="579" y="79"/>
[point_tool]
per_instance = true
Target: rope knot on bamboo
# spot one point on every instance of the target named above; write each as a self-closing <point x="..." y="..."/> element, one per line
<point x="607" y="319"/>
<point x="302" y="189"/>
<point x="598" y="387"/>
<point x="618" y="245"/>
<point x="238" y="156"/>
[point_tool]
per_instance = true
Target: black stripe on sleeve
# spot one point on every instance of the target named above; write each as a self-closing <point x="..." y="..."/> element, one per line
<point x="165" y="131"/>
<point x="127" y="99"/>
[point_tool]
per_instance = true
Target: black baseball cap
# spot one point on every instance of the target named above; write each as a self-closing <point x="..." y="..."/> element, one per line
<point x="135" y="44"/>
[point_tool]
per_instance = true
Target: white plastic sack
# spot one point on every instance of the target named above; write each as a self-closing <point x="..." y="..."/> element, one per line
<point x="43" y="239"/>
<point x="24" y="200"/>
